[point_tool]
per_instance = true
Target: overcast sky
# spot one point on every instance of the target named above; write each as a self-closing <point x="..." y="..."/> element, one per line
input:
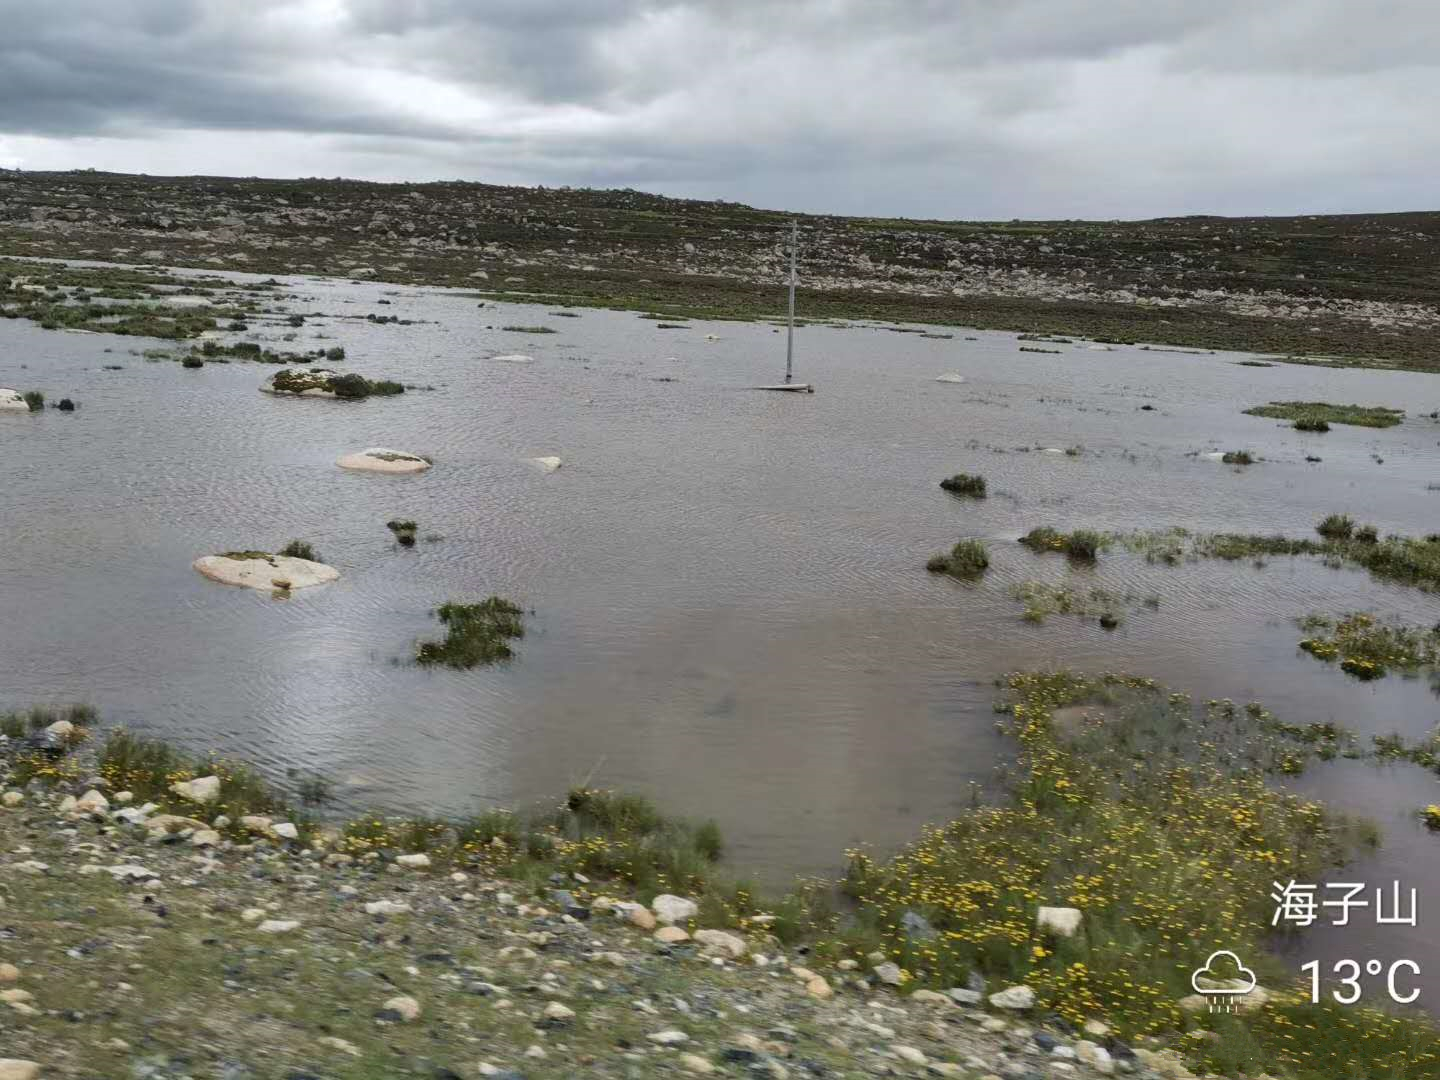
<point x="920" y="108"/>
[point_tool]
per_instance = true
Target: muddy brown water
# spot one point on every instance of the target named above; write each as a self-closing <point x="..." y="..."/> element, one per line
<point x="730" y="607"/>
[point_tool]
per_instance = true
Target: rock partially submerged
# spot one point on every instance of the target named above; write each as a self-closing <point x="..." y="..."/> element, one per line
<point x="261" y="570"/>
<point x="950" y="377"/>
<point x="546" y="464"/>
<point x="13" y="400"/>
<point x="514" y="358"/>
<point x="379" y="459"/>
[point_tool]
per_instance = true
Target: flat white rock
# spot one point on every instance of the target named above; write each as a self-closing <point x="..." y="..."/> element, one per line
<point x="514" y="358"/>
<point x="265" y="573"/>
<point x="546" y="464"/>
<point x="950" y="377"/>
<point x="11" y="400"/>
<point x="379" y="459"/>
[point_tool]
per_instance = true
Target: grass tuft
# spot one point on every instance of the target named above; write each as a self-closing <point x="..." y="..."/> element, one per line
<point x="965" y="484"/>
<point x="967" y="559"/>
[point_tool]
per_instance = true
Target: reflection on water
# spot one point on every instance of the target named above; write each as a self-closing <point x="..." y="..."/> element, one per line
<point x="730" y="610"/>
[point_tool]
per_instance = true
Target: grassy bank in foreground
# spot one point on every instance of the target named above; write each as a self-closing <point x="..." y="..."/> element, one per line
<point x="1151" y="816"/>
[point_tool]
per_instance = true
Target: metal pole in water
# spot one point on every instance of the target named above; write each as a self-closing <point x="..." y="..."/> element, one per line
<point x="790" y="332"/>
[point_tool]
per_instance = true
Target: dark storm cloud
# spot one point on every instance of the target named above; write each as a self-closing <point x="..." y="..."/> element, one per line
<point x="926" y="107"/>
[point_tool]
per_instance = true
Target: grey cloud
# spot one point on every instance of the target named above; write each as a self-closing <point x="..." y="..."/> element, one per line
<point x="924" y="107"/>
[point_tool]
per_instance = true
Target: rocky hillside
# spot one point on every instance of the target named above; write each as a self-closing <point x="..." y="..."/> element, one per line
<point x="1357" y="286"/>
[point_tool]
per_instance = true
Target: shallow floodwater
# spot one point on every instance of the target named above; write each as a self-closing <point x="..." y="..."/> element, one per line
<point x="730" y="606"/>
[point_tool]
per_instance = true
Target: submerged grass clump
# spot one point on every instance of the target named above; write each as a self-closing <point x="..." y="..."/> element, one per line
<point x="475" y="634"/>
<point x="1367" y="648"/>
<point x="1312" y="423"/>
<point x="1238" y="457"/>
<point x="1316" y="412"/>
<point x="965" y="484"/>
<point x="1082" y="544"/>
<point x="1336" y="527"/>
<point x="530" y="329"/>
<point x="967" y="559"/>
<point x="404" y="531"/>
<point x="34" y="399"/>
<point x="1155" y="819"/>
<point x="1042" y="599"/>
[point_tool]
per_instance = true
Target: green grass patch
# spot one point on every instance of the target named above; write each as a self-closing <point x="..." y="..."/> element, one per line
<point x="1376" y="416"/>
<point x="1238" y="457"/>
<point x="965" y="484"/>
<point x="475" y="634"/>
<point x="967" y="559"/>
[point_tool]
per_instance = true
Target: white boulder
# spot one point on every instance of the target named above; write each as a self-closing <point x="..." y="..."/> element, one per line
<point x="379" y="459"/>
<point x="1060" y="921"/>
<point x="1014" y="997"/>
<point x="950" y="377"/>
<point x="546" y="464"/>
<point x="673" y="909"/>
<point x="514" y="358"/>
<point x="11" y="400"/>
<point x="259" y="570"/>
<point x="203" y="789"/>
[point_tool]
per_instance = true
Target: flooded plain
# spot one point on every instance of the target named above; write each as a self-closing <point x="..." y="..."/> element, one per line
<point x="730" y="607"/>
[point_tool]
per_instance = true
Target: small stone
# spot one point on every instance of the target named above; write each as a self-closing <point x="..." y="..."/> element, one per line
<point x="909" y="1054"/>
<point x="278" y="926"/>
<point x="285" y="830"/>
<point x="405" y="1006"/>
<point x="1096" y="1056"/>
<point x="205" y="838"/>
<point x="16" y="1069"/>
<point x="9" y="973"/>
<point x="537" y="1052"/>
<point x="92" y="802"/>
<point x="11" y="997"/>
<point x="696" y="1064"/>
<point x="557" y="1014"/>
<point x="929" y="997"/>
<point x="124" y="798"/>
<point x="819" y="988"/>
<point x="1098" y="1028"/>
<point x="67" y="804"/>
<point x="253" y="914"/>
<point x="669" y="1037"/>
<point x="387" y="907"/>
<point x="13" y="799"/>
<point x="673" y="909"/>
<point x="336" y="1043"/>
<point x="1014" y="997"/>
<point x="671" y="935"/>
<point x="962" y="996"/>
<point x="417" y="861"/>
<point x="718" y="942"/>
<point x="888" y="973"/>
<point x="256" y="824"/>
<point x="638" y="915"/>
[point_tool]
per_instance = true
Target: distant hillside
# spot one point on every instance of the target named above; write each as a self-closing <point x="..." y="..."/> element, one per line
<point x="1361" y="286"/>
